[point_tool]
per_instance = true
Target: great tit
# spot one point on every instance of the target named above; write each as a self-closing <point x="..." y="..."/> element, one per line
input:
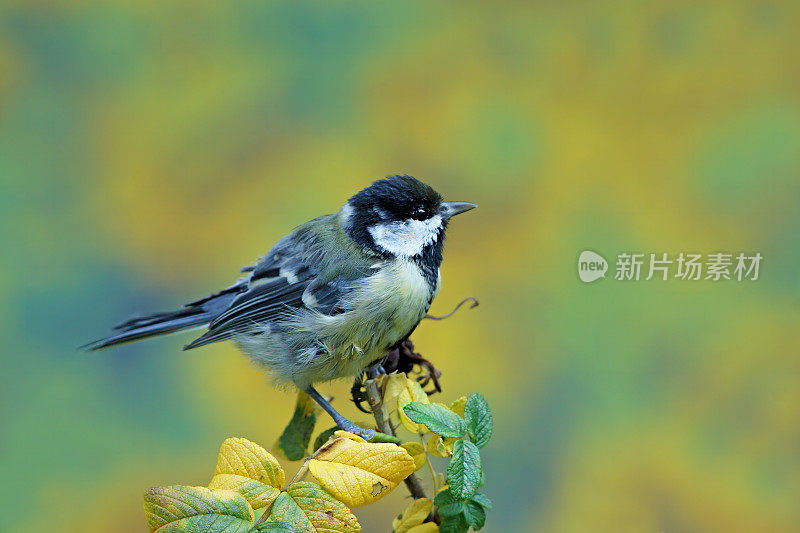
<point x="330" y="298"/>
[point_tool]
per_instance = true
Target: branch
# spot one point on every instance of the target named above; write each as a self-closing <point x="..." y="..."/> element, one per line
<point x="384" y="426"/>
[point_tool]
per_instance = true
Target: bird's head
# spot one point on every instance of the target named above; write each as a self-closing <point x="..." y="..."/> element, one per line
<point x="399" y="216"/>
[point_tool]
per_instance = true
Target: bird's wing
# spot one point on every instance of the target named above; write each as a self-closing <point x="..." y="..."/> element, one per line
<point x="305" y="269"/>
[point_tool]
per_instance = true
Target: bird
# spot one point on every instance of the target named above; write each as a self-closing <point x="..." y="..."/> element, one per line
<point x="331" y="298"/>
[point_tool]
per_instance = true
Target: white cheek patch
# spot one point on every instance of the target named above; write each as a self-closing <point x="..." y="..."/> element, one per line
<point x="408" y="238"/>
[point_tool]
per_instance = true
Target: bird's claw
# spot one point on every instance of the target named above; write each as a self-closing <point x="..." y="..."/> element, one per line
<point x="375" y="370"/>
<point x="366" y="434"/>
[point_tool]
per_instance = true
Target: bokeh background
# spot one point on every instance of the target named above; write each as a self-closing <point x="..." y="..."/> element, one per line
<point x="150" y="149"/>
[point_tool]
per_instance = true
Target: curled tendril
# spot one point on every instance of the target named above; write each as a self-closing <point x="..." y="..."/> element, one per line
<point x="472" y="299"/>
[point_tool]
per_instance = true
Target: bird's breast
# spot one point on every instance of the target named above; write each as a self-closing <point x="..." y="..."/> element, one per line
<point x="404" y="290"/>
<point x="386" y="306"/>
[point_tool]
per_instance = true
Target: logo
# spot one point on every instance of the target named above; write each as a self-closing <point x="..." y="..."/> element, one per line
<point x="591" y="266"/>
<point x="635" y="266"/>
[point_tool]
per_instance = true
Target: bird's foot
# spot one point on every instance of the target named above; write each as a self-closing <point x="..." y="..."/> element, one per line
<point x="375" y="370"/>
<point x="340" y="420"/>
<point x="366" y="434"/>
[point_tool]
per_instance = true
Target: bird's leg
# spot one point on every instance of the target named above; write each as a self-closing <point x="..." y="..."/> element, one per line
<point x="357" y="392"/>
<point x="340" y="420"/>
<point x="375" y="369"/>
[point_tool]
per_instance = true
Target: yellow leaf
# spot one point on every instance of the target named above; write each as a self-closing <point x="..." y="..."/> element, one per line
<point x="413" y="515"/>
<point x="250" y="470"/>
<point x="308" y="508"/>
<point x="359" y="472"/>
<point x="395" y="383"/>
<point x="449" y="442"/>
<point x="347" y="435"/>
<point x="435" y="446"/>
<point x="412" y="392"/>
<point x="381" y="379"/>
<point x="458" y="406"/>
<point x="180" y="509"/>
<point x="427" y="527"/>
<point x="417" y="452"/>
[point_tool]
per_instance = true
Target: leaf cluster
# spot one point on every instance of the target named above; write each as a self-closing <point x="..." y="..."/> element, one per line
<point x="249" y="493"/>
<point x="459" y="504"/>
<point x="457" y="432"/>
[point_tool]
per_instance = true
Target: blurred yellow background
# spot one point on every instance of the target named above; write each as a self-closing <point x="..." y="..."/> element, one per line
<point x="150" y="149"/>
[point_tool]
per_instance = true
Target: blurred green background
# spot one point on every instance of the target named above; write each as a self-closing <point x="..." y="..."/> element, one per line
<point x="150" y="149"/>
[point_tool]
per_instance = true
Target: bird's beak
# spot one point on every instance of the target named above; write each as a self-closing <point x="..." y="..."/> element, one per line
<point x="451" y="209"/>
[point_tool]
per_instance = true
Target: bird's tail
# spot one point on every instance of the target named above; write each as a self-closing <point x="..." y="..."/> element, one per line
<point x="192" y="315"/>
<point x="155" y="324"/>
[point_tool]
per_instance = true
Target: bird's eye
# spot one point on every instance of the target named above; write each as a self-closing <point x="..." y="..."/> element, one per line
<point x="420" y="211"/>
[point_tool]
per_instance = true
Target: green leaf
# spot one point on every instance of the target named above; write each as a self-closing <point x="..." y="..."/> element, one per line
<point x="437" y="418"/>
<point x="452" y="509"/>
<point x="447" y="504"/>
<point x="179" y="508"/>
<point x="323" y="437"/>
<point x="464" y="470"/>
<point x="475" y="515"/>
<point x="454" y="524"/>
<point x="445" y="497"/>
<point x="482" y="500"/>
<point x="258" y="513"/>
<point x="384" y="438"/>
<point x="297" y="435"/>
<point x="275" y="527"/>
<point x="479" y="419"/>
<point x="308" y="508"/>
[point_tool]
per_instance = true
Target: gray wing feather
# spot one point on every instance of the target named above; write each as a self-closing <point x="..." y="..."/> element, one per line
<point x="313" y="267"/>
<point x="276" y="284"/>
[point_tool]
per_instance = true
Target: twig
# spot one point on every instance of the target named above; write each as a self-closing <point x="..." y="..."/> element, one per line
<point x="376" y="403"/>
<point x="384" y="425"/>
<point x="301" y="472"/>
<point x="435" y="483"/>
